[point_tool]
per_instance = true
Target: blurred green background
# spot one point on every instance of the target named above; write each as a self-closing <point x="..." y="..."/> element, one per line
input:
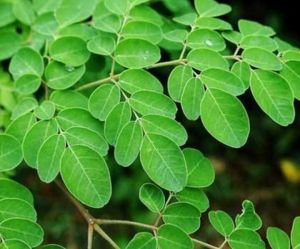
<point x="264" y="171"/>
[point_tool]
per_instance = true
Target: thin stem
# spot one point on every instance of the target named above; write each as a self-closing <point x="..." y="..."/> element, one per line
<point x="124" y="222"/>
<point x="185" y="45"/>
<point x="223" y="244"/>
<point x="46" y="91"/>
<point x="232" y="57"/>
<point x="90" y="236"/>
<point x="199" y="242"/>
<point x="160" y="214"/>
<point x="105" y="236"/>
<point x="167" y="63"/>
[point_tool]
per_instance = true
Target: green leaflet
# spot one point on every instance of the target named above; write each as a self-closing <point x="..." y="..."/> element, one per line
<point x="28" y="84"/>
<point x="26" y="61"/>
<point x="116" y="120"/>
<point x="22" y="229"/>
<point x="183" y="215"/>
<point x="204" y="58"/>
<point x="142" y="240"/>
<point x="10" y="152"/>
<point x="103" y="100"/>
<point x="134" y="80"/>
<point x="23" y="10"/>
<point x="273" y="95"/>
<point x="46" y="24"/>
<point x="291" y="55"/>
<point x="42" y="6"/>
<point x="223" y="80"/>
<point x="149" y="102"/>
<point x="177" y="81"/>
<point x="105" y="20"/>
<point x="191" y="98"/>
<point x="142" y="30"/>
<point x="49" y="156"/>
<point x="172" y="236"/>
<point x="16" y="208"/>
<point x="291" y="73"/>
<point x="165" y="126"/>
<point x="45" y="111"/>
<point x="71" y="51"/>
<point x="278" y="239"/>
<point x="88" y="138"/>
<point x="102" y="44"/>
<point x="34" y="139"/>
<point x="221" y="222"/>
<point x="19" y="127"/>
<point x="247" y="27"/>
<point x="295" y="238"/>
<point x="245" y="239"/>
<point x="186" y="19"/>
<point x="10" y="43"/>
<point x="232" y="36"/>
<point x="201" y="173"/>
<point x="152" y="197"/>
<point x="68" y="99"/>
<point x="60" y="76"/>
<point x="230" y="122"/>
<point x="261" y="58"/>
<point x="128" y="144"/>
<point x="259" y="41"/>
<point x="23" y="107"/>
<point x="78" y="117"/>
<point x="147" y="14"/>
<point x="195" y="197"/>
<point x="164" y="162"/>
<point x="205" y="38"/>
<point x="248" y="218"/>
<point x="52" y="247"/>
<point x="12" y="189"/>
<point x="136" y="53"/>
<point x="176" y="35"/>
<point x="14" y="243"/>
<point x="210" y="8"/>
<point x="82" y="166"/>
<point x="79" y="30"/>
<point x="243" y="71"/>
<point x="65" y="13"/>
<point x="6" y="14"/>
<point x="212" y="24"/>
<point x="118" y="7"/>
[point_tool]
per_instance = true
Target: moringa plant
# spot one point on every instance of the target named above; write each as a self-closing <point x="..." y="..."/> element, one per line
<point x="80" y="80"/>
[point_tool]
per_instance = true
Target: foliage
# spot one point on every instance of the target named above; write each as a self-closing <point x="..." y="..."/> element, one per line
<point x="78" y="78"/>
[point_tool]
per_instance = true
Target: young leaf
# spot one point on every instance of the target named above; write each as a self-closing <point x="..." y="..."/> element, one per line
<point x="118" y="7"/>
<point x="88" y="138"/>
<point x="34" y="139"/>
<point x="201" y="173"/>
<point x="204" y="58"/>
<point x="273" y="95"/>
<point x="101" y="44"/>
<point x="135" y="80"/>
<point x="60" y="76"/>
<point x="71" y="51"/>
<point x="103" y="100"/>
<point x="212" y="24"/>
<point x="247" y="27"/>
<point x="230" y="122"/>
<point x="49" y="156"/>
<point x="152" y="197"/>
<point x="221" y="222"/>
<point x="295" y="233"/>
<point x="183" y="215"/>
<point x="243" y="71"/>
<point x="22" y="229"/>
<point x="12" y="189"/>
<point x="116" y="120"/>
<point x="28" y="84"/>
<point x="164" y="162"/>
<point x="195" y="197"/>
<point x="136" y="53"/>
<point x="291" y="72"/>
<point x="26" y="61"/>
<point x="261" y="58"/>
<point x="223" y="80"/>
<point x="233" y="36"/>
<point x="259" y="41"/>
<point x="153" y="103"/>
<point x="245" y="239"/>
<point x="128" y="144"/>
<point x="205" y="38"/>
<point x="210" y="8"/>
<point x="249" y="218"/>
<point x="169" y="236"/>
<point x="142" y="241"/>
<point x="16" y="208"/>
<point x="10" y="152"/>
<point x="177" y="81"/>
<point x="69" y="99"/>
<point x="72" y="11"/>
<point x="165" y="126"/>
<point x="277" y="238"/>
<point x="45" y="111"/>
<point x="89" y="180"/>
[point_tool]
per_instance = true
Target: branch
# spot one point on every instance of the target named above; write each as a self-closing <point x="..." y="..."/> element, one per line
<point x="199" y="242"/>
<point x="90" y="236"/>
<point x="105" y="236"/>
<point x="124" y="222"/>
